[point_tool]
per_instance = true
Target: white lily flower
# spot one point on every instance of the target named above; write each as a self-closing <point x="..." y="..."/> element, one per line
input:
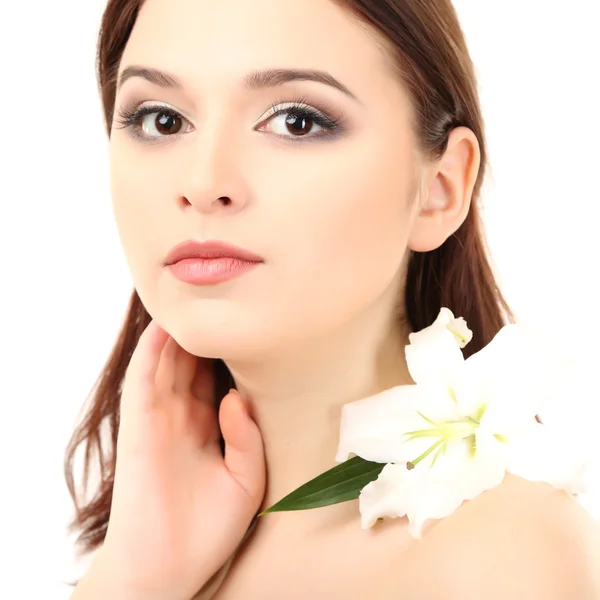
<point x="461" y="427"/>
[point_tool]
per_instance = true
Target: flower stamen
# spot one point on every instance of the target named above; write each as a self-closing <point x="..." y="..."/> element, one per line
<point x="413" y="463"/>
<point x="445" y="432"/>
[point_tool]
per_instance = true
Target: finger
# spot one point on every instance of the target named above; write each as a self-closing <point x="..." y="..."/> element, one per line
<point x="206" y="425"/>
<point x="138" y="384"/>
<point x="176" y="369"/>
<point x="205" y="404"/>
<point x="203" y="381"/>
<point x="244" y="451"/>
<point x="185" y="371"/>
<point x="165" y="372"/>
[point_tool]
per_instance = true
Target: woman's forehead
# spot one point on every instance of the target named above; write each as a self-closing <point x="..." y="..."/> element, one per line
<point x="240" y="36"/>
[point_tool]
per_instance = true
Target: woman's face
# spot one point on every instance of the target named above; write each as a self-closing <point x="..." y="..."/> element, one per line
<point x="323" y="192"/>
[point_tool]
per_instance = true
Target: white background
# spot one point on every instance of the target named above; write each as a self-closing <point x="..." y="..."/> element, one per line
<point x="65" y="283"/>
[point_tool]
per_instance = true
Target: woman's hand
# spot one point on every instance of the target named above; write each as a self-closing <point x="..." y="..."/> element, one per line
<point x="179" y="509"/>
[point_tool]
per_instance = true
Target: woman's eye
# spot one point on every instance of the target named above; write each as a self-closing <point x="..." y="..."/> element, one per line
<point x="295" y="120"/>
<point x="151" y="123"/>
<point x="296" y="124"/>
<point x="161" y="123"/>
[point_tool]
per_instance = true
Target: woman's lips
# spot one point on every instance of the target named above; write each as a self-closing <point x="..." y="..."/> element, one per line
<point x="210" y="262"/>
<point x="209" y="249"/>
<point x="209" y="271"/>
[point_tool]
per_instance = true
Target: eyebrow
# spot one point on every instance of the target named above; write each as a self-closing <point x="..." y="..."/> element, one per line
<point x="253" y="81"/>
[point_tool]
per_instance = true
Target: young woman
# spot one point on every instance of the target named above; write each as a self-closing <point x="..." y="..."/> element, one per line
<point x="295" y="186"/>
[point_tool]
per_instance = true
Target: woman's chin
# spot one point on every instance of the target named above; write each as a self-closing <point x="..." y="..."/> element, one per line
<point x="226" y="343"/>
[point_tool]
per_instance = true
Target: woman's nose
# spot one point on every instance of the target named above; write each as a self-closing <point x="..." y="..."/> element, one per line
<point x="213" y="179"/>
<point x="207" y="203"/>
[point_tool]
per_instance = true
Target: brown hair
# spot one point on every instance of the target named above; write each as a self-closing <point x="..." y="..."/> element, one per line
<point x="430" y="54"/>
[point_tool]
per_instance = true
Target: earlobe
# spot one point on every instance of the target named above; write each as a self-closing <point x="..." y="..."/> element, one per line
<point x="448" y="193"/>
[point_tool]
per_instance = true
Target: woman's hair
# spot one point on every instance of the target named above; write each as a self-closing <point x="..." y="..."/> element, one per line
<point x="428" y="48"/>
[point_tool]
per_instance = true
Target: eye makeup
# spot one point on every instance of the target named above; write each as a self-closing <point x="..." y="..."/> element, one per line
<point x="298" y="110"/>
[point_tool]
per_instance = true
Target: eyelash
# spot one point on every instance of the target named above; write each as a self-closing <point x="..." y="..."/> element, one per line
<point x="298" y="108"/>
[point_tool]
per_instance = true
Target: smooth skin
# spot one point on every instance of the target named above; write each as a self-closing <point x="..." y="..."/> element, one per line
<point x="332" y="214"/>
<point x="312" y="328"/>
<point x="179" y="507"/>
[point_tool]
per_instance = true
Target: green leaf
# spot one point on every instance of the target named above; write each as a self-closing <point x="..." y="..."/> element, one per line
<point x="340" y="484"/>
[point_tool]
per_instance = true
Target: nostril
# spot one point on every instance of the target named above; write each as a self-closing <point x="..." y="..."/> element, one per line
<point x="225" y="200"/>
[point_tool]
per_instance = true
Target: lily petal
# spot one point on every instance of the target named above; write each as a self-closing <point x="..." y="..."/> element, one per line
<point x="470" y="474"/>
<point x="488" y="468"/>
<point x="398" y="492"/>
<point x="377" y="418"/>
<point x="374" y="427"/>
<point x="455" y="478"/>
<point x="434" y="353"/>
<point x="513" y="375"/>
<point x="432" y="492"/>
<point x="568" y="404"/>
<point x="542" y="453"/>
<point x="461" y="330"/>
<point x="387" y="496"/>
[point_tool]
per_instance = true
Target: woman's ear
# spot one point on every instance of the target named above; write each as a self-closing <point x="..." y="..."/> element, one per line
<point x="446" y="197"/>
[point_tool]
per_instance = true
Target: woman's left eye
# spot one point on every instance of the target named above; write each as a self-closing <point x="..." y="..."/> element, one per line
<point x="298" y="121"/>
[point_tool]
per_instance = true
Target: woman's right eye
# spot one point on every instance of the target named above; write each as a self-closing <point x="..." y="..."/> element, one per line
<point x="152" y="122"/>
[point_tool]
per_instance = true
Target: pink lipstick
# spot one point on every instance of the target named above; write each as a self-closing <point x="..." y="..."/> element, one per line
<point x="209" y="263"/>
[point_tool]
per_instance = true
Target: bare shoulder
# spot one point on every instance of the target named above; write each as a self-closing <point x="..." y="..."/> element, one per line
<point x="520" y="540"/>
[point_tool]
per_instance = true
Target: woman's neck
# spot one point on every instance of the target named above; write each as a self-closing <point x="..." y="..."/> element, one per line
<point x="297" y="397"/>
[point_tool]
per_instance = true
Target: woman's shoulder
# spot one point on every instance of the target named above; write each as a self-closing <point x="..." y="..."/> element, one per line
<point x="519" y="540"/>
